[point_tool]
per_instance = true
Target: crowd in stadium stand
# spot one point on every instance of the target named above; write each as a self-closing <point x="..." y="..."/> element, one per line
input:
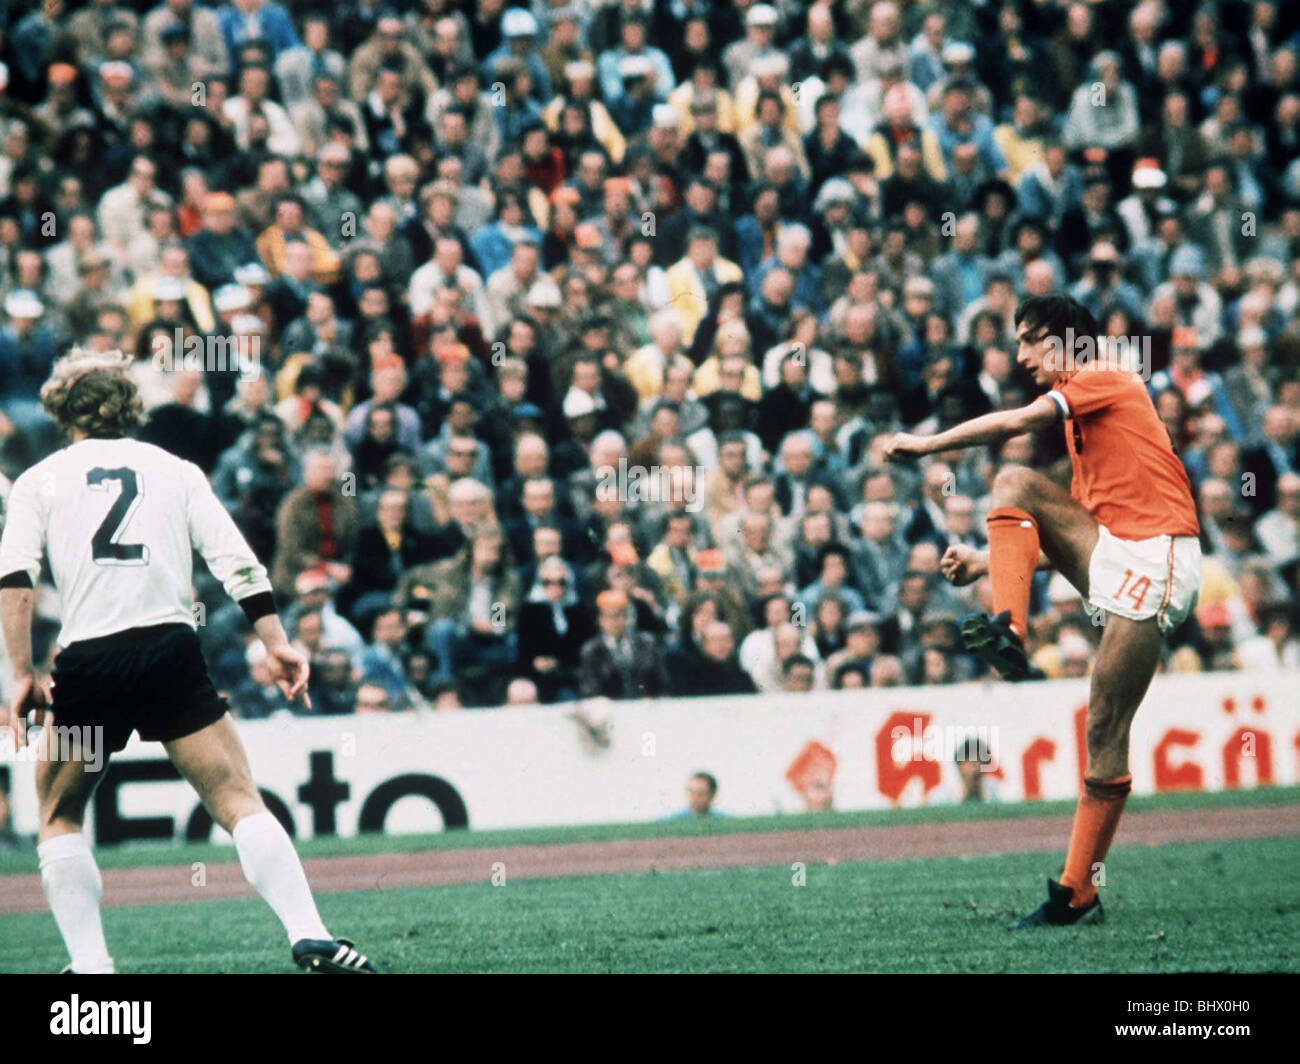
<point x="563" y="340"/>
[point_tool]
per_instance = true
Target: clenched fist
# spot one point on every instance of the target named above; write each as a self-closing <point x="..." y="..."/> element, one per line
<point x="905" y="445"/>
<point x="962" y="565"/>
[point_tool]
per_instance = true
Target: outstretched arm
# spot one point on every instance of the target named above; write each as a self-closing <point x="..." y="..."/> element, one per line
<point x="988" y="428"/>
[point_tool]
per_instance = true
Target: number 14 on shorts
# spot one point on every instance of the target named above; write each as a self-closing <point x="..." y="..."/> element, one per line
<point x="1136" y="590"/>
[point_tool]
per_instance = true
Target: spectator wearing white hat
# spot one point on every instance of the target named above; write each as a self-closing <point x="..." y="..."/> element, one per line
<point x="519" y="33"/>
<point x="27" y="350"/>
<point x="761" y="22"/>
<point x="1142" y="209"/>
<point x="958" y="58"/>
<point x="1249" y="385"/>
<point x="613" y="71"/>
<point x="769" y="73"/>
<point x="117" y="93"/>
<point x="634" y="108"/>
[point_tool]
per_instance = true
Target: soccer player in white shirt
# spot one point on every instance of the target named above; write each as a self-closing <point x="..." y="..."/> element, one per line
<point x="118" y="521"/>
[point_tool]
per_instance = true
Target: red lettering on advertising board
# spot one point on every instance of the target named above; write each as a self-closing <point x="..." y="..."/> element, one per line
<point x="892" y="776"/>
<point x="1040" y="750"/>
<point x="812" y="769"/>
<point x="1183" y="776"/>
<point x="1245" y="745"/>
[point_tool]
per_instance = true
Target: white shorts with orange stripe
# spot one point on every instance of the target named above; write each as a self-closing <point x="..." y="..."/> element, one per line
<point x="1158" y="577"/>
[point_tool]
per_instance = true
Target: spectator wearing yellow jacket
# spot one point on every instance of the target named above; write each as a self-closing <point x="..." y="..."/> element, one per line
<point x="580" y="79"/>
<point x="173" y="272"/>
<point x="899" y="127"/>
<point x="692" y="279"/>
<point x="291" y="224"/>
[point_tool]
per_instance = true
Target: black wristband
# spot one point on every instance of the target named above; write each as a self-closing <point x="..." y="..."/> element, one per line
<point x="20" y="579"/>
<point x="257" y="606"/>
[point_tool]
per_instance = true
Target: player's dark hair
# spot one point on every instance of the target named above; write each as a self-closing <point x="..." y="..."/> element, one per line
<point x="1054" y="315"/>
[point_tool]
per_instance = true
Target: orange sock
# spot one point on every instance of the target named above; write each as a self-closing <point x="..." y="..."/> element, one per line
<point x="1013" y="557"/>
<point x="1095" y="819"/>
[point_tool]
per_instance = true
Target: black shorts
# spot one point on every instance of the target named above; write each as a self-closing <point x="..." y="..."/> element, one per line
<point x="151" y="680"/>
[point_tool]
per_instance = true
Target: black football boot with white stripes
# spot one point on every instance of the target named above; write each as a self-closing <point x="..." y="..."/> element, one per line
<point x="330" y="956"/>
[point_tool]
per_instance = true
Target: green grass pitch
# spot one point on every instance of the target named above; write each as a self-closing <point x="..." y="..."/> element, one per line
<point x="1221" y="906"/>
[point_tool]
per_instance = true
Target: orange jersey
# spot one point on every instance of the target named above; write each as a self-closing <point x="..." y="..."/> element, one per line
<point x="1125" y="471"/>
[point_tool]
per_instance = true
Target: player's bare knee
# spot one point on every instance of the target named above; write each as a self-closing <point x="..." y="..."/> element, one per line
<point x="1012" y="486"/>
<point x="229" y="795"/>
<point x="234" y="804"/>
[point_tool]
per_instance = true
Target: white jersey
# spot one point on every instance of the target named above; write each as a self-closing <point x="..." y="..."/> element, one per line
<point x="119" y="521"/>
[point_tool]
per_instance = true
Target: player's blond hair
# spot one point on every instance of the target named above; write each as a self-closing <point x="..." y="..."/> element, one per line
<point x="91" y="391"/>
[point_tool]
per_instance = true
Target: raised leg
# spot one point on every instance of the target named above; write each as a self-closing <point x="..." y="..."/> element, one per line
<point x="1067" y="532"/>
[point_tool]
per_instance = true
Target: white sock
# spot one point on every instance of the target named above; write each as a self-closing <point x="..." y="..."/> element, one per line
<point x="73" y="887"/>
<point x="271" y="865"/>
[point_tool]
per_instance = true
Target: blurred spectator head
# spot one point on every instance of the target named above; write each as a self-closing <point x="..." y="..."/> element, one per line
<point x="701" y="790"/>
<point x="372" y="698"/>
<point x="718" y="642"/>
<point x="521" y="692"/>
<point x="612" y="613"/>
<point x="797" y="674"/>
<point x="974" y="760"/>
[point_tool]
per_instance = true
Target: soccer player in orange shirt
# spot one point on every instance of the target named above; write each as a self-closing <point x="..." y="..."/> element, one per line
<point x="1125" y="535"/>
